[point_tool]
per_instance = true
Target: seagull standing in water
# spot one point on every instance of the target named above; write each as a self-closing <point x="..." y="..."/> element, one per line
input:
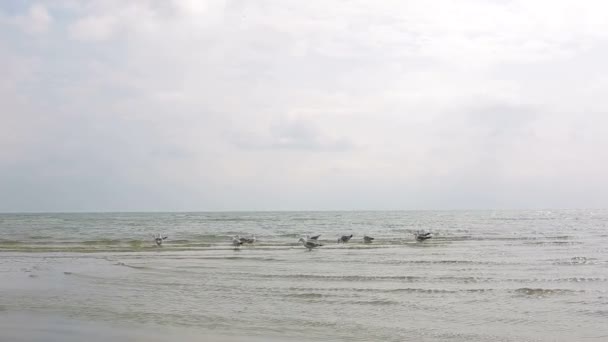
<point x="247" y="240"/>
<point x="368" y="239"/>
<point x="159" y="239"/>
<point x="345" y="238"/>
<point x="310" y="244"/>
<point x="236" y="242"/>
<point x="421" y="236"/>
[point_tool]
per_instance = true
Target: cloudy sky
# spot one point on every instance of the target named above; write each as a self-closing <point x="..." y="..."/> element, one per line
<point x="113" y="105"/>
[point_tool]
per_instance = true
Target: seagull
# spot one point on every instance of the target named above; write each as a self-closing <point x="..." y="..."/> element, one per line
<point x="368" y="239"/>
<point x="236" y="242"/>
<point x="314" y="237"/>
<point x="345" y="238"/>
<point x="310" y="244"/>
<point x="159" y="239"/>
<point x="247" y="240"/>
<point x="423" y="236"/>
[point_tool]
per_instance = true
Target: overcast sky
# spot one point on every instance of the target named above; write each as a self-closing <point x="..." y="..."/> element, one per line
<point x="113" y="105"/>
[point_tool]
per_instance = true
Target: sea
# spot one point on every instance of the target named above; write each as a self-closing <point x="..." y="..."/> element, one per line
<point x="537" y="275"/>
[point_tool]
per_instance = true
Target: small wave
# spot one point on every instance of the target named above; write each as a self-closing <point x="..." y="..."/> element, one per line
<point x="421" y="290"/>
<point x="479" y="290"/>
<point x="245" y="258"/>
<point x="521" y="218"/>
<point x="558" y="243"/>
<point x="102" y="242"/>
<point x="442" y="262"/>
<point x="203" y="238"/>
<point x="305" y="295"/>
<point x="389" y="291"/>
<point x="181" y="241"/>
<point x="466" y="279"/>
<point x="93" y="277"/>
<point x="312" y="218"/>
<point x="350" y="278"/>
<point x="40" y="237"/>
<point x="596" y="313"/>
<point x="6" y="242"/>
<point x="290" y="235"/>
<point x="333" y="300"/>
<point x="577" y="279"/>
<point x="131" y="266"/>
<point x="542" y="292"/>
<point x="548" y="280"/>
<point x="576" y="261"/>
<point x="559" y="237"/>
<point x="234" y="219"/>
<point x="375" y="302"/>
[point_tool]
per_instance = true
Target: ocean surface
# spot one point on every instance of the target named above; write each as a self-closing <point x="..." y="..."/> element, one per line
<point x="484" y="276"/>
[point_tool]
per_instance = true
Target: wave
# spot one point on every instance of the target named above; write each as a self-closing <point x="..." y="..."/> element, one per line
<point x="332" y="299"/>
<point x="349" y="278"/>
<point x="7" y="242"/>
<point x="131" y="266"/>
<point x="576" y="261"/>
<point x="596" y="313"/>
<point x="101" y="242"/>
<point x="236" y="219"/>
<point x="373" y="302"/>
<point x="305" y="295"/>
<point x="524" y="291"/>
<point x="420" y="290"/>
<point x="518" y="280"/>
<point x="558" y="243"/>
<point x="40" y="237"/>
<point x="440" y="262"/>
<point x="542" y="292"/>
<point x="522" y="218"/>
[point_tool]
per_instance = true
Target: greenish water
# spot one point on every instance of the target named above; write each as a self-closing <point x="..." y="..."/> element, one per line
<point x="486" y="275"/>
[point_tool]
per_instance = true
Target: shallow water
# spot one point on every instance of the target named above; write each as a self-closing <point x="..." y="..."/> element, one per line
<point x="486" y="275"/>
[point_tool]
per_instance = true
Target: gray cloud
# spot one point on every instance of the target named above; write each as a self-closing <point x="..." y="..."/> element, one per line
<point x="179" y="105"/>
<point x="295" y="134"/>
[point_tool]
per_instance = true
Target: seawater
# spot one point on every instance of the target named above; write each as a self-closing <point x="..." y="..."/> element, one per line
<point x="484" y="276"/>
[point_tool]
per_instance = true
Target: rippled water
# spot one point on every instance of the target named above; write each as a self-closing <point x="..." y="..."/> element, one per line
<point x="486" y="275"/>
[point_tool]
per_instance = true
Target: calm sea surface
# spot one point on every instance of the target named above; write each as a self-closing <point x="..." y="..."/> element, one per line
<point x="485" y="276"/>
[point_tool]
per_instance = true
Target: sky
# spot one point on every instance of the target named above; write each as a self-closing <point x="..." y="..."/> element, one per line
<point x="176" y="105"/>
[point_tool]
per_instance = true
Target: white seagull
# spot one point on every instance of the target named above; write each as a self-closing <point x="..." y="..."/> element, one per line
<point x="236" y="242"/>
<point x="159" y="239"/>
<point x="310" y="244"/>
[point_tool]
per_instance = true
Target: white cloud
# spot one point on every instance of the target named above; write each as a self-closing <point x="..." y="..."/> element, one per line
<point x="37" y="20"/>
<point x="94" y="28"/>
<point x="107" y="20"/>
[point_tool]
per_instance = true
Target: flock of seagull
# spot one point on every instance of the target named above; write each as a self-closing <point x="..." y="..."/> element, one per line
<point x="310" y="242"/>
